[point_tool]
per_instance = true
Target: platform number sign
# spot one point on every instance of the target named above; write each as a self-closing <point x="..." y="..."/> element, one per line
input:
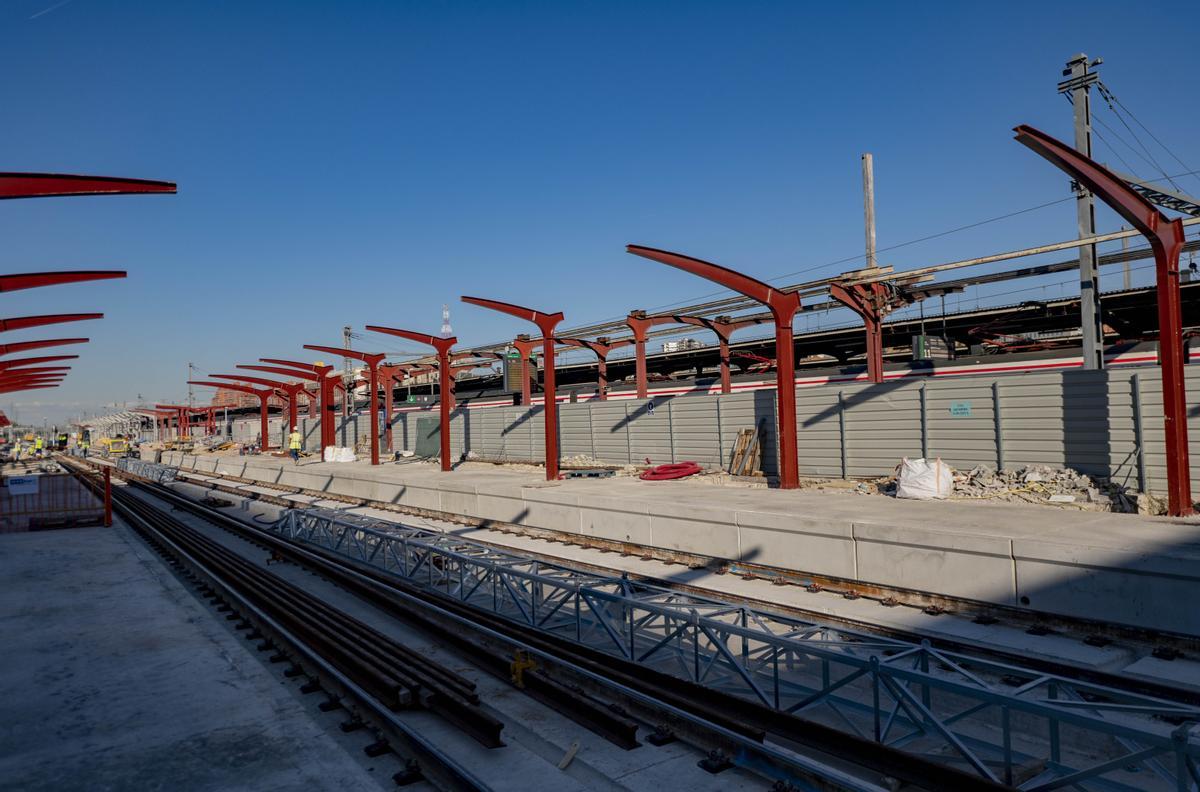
<point x="960" y="409"/>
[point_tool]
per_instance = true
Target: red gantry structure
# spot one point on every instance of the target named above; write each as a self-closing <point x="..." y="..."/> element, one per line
<point x="372" y="360"/>
<point x="445" y="379"/>
<point x="1166" y="238"/>
<point x="546" y="322"/>
<point x="327" y="380"/>
<point x="264" y="397"/>
<point x="783" y="307"/>
<point x="601" y="348"/>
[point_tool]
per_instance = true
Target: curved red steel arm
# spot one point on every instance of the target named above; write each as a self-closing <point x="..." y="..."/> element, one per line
<point x="1166" y="239"/>
<point x="10" y="378"/>
<point x="545" y="322"/>
<point x="291" y="363"/>
<point x="263" y="396"/>
<point x="783" y="306"/>
<point x="22" y="322"/>
<point x="17" y="388"/>
<point x="21" y="346"/>
<point x="16" y="372"/>
<point x="229" y="386"/>
<point x="305" y="375"/>
<point x="778" y="301"/>
<point x="365" y="357"/>
<point x="7" y="364"/>
<point x="436" y="342"/>
<point x="45" y="185"/>
<point x="258" y="381"/>
<point x="32" y="280"/>
<point x="1136" y="210"/>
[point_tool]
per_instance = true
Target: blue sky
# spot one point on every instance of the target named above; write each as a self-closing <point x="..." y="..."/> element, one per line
<point x="366" y="162"/>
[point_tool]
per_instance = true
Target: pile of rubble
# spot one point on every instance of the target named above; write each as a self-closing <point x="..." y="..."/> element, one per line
<point x="1045" y="484"/>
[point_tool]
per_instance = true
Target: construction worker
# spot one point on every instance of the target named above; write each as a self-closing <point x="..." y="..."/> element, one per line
<point x="83" y="445"/>
<point x="295" y="441"/>
<point x="38" y="445"/>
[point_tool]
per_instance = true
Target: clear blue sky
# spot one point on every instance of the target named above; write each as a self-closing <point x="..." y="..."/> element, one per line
<point x="365" y="162"/>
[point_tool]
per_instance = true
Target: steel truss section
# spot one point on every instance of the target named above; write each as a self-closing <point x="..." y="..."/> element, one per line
<point x="153" y="471"/>
<point x="1009" y="724"/>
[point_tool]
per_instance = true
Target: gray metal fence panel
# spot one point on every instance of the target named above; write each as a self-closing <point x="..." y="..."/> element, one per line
<point x="649" y="427"/>
<point x="881" y="425"/>
<point x="610" y="432"/>
<point x="819" y="423"/>
<point x="575" y="430"/>
<point x="696" y="430"/>
<point x="962" y="428"/>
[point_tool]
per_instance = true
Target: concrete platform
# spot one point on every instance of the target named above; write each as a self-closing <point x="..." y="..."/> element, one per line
<point x="115" y="677"/>
<point x="1114" y="567"/>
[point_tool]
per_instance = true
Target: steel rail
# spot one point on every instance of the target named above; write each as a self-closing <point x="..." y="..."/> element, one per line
<point x="716" y="717"/>
<point x="434" y="764"/>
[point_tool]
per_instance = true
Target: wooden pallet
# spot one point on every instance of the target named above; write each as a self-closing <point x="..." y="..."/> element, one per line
<point x="747" y="452"/>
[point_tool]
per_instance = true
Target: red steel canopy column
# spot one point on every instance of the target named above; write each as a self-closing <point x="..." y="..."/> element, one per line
<point x="372" y="360"/>
<point x="546" y="323"/>
<point x="288" y="390"/>
<point x="445" y="377"/>
<point x="525" y="346"/>
<point x="1166" y="238"/>
<point x="264" y="395"/>
<point x="319" y="373"/>
<point x="387" y="378"/>
<point x="601" y="348"/>
<point x="181" y="417"/>
<point x="640" y="324"/>
<point x="783" y="307"/>
<point x="872" y="302"/>
<point x="724" y="327"/>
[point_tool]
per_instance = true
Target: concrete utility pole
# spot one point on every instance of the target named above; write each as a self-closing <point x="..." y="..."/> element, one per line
<point x="191" y="398"/>
<point x="1128" y="265"/>
<point x="1079" y="79"/>
<point x="868" y="171"/>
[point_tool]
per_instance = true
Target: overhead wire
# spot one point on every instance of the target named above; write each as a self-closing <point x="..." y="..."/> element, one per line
<point x="1109" y="98"/>
<point x="1164" y="146"/>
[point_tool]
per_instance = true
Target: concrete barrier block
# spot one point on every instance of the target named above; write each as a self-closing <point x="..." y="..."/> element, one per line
<point x="267" y="473"/>
<point x="458" y="497"/>
<point x="232" y="466"/>
<point x="617" y="519"/>
<point x="1149" y="587"/>
<point x="694" y="529"/>
<point x="502" y="503"/>
<point x="821" y="546"/>
<point x="975" y="566"/>
<point x="418" y="497"/>
<point x="549" y="508"/>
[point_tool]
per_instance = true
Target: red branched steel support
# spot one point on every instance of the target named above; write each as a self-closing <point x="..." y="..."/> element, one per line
<point x="264" y="398"/>
<point x="872" y="302"/>
<point x="601" y="348"/>
<point x="180" y="413"/>
<point x="33" y="361"/>
<point x="22" y="346"/>
<point x="321" y="374"/>
<point x="546" y="322"/>
<point x="783" y="307"/>
<point x="445" y="379"/>
<point x="34" y="280"/>
<point x="23" y="322"/>
<point x="387" y="379"/>
<point x="46" y="185"/>
<point x="525" y="347"/>
<point x="640" y="324"/>
<point x="724" y="327"/>
<point x="288" y="390"/>
<point x="1166" y="239"/>
<point x="372" y="360"/>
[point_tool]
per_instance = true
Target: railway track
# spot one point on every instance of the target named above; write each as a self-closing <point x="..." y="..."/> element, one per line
<point x="675" y="705"/>
<point x="1090" y="632"/>
<point x="372" y="676"/>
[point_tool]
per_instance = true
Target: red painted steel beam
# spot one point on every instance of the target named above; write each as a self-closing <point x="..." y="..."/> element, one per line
<point x="33" y="361"/>
<point x="601" y="348"/>
<point x="872" y="302"/>
<point x="546" y="322"/>
<point x="24" y="372"/>
<point x="783" y="307"/>
<point x="372" y="360"/>
<point x="289" y="390"/>
<point x="264" y="397"/>
<point x="22" y="346"/>
<point x="34" y="280"/>
<point x="327" y="384"/>
<point x="640" y="324"/>
<point x="47" y="185"/>
<point x="1166" y="239"/>
<point x="724" y="327"/>
<point x="14" y="379"/>
<point x="387" y="378"/>
<point x="18" y="388"/>
<point x="182" y="424"/>
<point x="22" y="322"/>
<point x="445" y="379"/>
<point x="525" y="347"/>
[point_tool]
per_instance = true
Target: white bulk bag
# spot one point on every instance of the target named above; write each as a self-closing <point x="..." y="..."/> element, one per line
<point x="922" y="479"/>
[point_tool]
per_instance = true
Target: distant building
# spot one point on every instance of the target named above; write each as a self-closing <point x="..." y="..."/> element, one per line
<point x="682" y="344"/>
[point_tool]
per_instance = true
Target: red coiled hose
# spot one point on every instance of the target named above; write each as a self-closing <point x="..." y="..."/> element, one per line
<point x="674" y="471"/>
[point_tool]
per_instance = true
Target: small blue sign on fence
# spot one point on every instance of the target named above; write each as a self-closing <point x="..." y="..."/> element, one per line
<point x="960" y="409"/>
